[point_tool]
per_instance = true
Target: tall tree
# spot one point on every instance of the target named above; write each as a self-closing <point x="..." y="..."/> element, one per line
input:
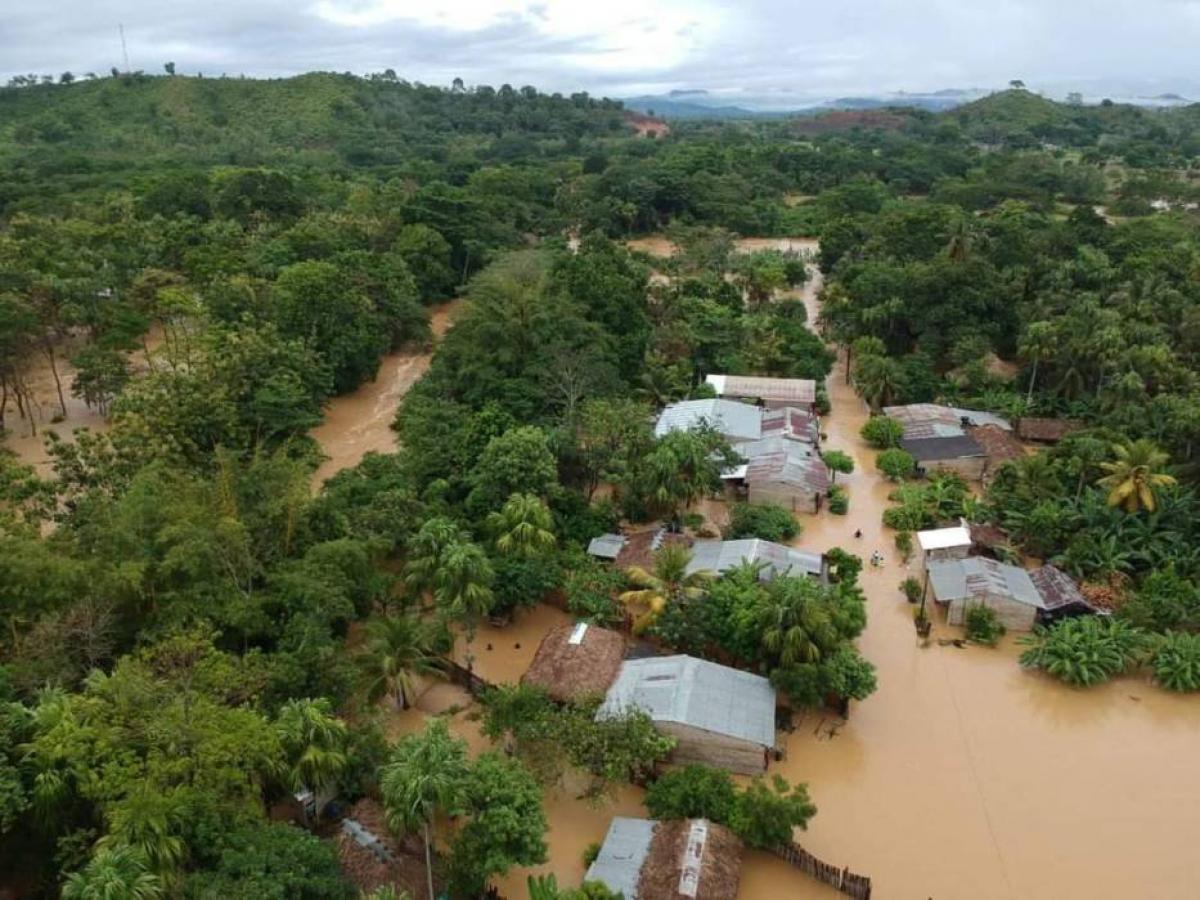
<point x="1136" y="475"/>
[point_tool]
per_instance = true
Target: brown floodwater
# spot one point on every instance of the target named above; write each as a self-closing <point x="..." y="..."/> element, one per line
<point x="360" y="422"/>
<point x="661" y="245"/>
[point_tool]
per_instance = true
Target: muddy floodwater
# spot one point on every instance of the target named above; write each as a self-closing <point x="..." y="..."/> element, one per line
<point x="361" y="422"/>
<point x="661" y="245"/>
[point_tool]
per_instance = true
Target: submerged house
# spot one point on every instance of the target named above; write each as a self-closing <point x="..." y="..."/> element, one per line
<point x="945" y="438"/>
<point x="795" y="481"/>
<point x="945" y="543"/>
<point x="574" y="662"/>
<point x="681" y="859"/>
<point x="769" y="392"/>
<point x="1020" y="598"/>
<point x="720" y="716"/>
<point x="734" y="421"/>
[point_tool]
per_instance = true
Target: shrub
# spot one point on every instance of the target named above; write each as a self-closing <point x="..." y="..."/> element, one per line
<point x="904" y="543"/>
<point x="912" y="589"/>
<point x="590" y="852"/>
<point x="882" y="433"/>
<point x="983" y="625"/>
<point x="847" y="565"/>
<point x="1083" y="651"/>
<point x="694" y="792"/>
<point x="838" y="462"/>
<point x="839" y="501"/>
<point x="766" y="521"/>
<point x="1176" y="661"/>
<point x="591" y="590"/>
<point x="895" y="463"/>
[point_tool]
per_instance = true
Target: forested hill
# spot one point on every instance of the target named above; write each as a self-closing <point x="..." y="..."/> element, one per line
<point x="138" y="122"/>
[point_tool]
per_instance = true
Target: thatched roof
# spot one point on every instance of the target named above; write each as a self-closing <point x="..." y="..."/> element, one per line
<point x="1031" y="428"/>
<point x="988" y="536"/>
<point x="572" y="671"/>
<point x="371" y="857"/>
<point x="682" y="849"/>
<point x="640" y="547"/>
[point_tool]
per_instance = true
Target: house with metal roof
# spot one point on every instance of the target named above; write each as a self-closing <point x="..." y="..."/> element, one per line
<point x="945" y="543"/>
<point x="959" y="584"/>
<point x="943" y="437"/>
<point x="1060" y="594"/>
<point x="770" y="392"/>
<point x="682" y="858"/>
<point x="948" y="453"/>
<point x="735" y="421"/>
<point x="719" y="716"/>
<point x="776" y="559"/>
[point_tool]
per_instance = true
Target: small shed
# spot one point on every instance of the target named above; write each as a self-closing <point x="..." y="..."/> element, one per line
<point x="960" y="584"/>
<point x="1060" y="593"/>
<point x="720" y="716"/>
<point x="606" y="546"/>
<point x="770" y="392"/>
<point x="952" y="453"/>
<point x="577" y="661"/>
<point x="1046" y="430"/>
<point x="681" y="859"/>
<point x="945" y="543"/>
<point x="778" y="559"/>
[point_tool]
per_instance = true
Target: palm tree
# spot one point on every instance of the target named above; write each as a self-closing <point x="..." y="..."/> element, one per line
<point x="958" y="248"/>
<point x="119" y="873"/>
<point x="398" y="648"/>
<point x="669" y="582"/>
<point x="462" y="584"/>
<point x="793" y="624"/>
<point x="523" y="526"/>
<point x="1135" y="475"/>
<point x="425" y="552"/>
<point x="423" y="777"/>
<point x="879" y="379"/>
<point x="313" y="741"/>
<point x="149" y="822"/>
<point x="1037" y="345"/>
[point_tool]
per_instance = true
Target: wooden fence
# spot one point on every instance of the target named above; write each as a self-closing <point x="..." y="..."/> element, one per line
<point x="465" y="678"/>
<point x="850" y="884"/>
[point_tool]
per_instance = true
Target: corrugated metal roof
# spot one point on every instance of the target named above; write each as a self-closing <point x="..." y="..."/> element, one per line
<point x="721" y="556"/>
<point x="749" y="450"/>
<point x="697" y="693"/>
<point x="784" y="390"/>
<point x="926" y="420"/>
<point x="789" y="422"/>
<point x="1058" y="590"/>
<point x="606" y="546"/>
<point x="625" y="848"/>
<point x="737" y="421"/>
<point x="808" y="473"/>
<point x="976" y="576"/>
<point x="978" y="417"/>
<point x="962" y="446"/>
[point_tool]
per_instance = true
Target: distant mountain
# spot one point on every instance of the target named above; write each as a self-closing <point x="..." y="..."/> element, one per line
<point x="675" y="108"/>
<point x="700" y="104"/>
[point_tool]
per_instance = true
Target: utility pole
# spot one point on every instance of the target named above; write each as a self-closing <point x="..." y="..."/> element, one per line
<point x="124" y="49"/>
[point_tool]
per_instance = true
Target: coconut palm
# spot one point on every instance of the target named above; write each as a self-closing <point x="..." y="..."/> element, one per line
<point x="423" y="777"/>
<point x="1135" y="475"/>
<point x="313" y="741"/>
<point x="462" y="583"/>
<point x="879" y="379"/>
<point x="668" y="582"/>
<point x="149" y="822"/>
<point x="793" y="623"/>
<point x="119" y="873"/>
<point x="523" y="526"/>
<point x="398" y="648"/>
<point x="1037" y="345"/>
<point x="425" y="552"/>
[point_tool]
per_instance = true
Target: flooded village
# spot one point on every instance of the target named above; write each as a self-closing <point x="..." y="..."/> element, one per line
<point x="961" y="776"/>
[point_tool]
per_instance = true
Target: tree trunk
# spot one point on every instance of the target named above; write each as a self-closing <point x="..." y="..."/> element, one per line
<point x="1032" y="380"/>
<point x="62" y="403"/>
<point x="428" y="863"/>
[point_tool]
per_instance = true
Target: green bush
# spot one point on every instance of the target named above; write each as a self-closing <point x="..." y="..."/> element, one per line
<point x="694" y="792"/>
<point x="839" y="462"/>
<point x="912" y="589"/>
<point x="1175" y="661"/>
<point x="904" y="543"/>
<point x="1083" y="651"/>
<point x="983" y="625"/>
<point x="839" y="501"/>
<point x="882" y="433"/>
<point x="895" y="463"/>
<point x="590" y="852"/>
<point x="766" y="521"/>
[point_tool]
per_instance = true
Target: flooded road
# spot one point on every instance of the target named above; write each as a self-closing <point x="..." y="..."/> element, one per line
<point x="661" y="245"/>
<point x="361" y="422"/>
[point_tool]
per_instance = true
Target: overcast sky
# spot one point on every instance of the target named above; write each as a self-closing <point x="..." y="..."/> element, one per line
<point x="626" y="47"/>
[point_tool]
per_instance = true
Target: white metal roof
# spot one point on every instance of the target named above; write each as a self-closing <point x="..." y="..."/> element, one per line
<point x="721" y="556"/>
<point x="976" y="576"/>
<point x="606" y="546"/>
<point x="619" y="864"/>
<point x="942" y="538"/>
<point x="697" y="693"/>
<point x="737" y="421"/>
<point x="794" y="390"/>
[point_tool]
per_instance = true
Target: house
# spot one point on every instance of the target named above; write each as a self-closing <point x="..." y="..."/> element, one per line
<point x="947" y="438"/>
<point x="636" y="549"/>
<point x="999" y="446"/>
<point x="945" y="543"/>
<point x="371" y="857"/>
<point x="574" y="662"/>
<point x="795" y="481"/>
<point x="734" y="421"/>
<point x="960" y="584"/>
<point x="1060" y="594"/>
<point x="681" y="859"/>
<point x="1046" y="431"/>
<point x="720" y="716"/>
<point x="950" y="453"/>
<point x="768" y="392"/>
<point x="777" y="559"/>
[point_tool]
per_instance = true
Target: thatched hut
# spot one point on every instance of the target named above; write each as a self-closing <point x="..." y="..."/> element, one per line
<point x="1046" y="430"/>
<point x="683" y="859"/>
<point x="576" y="661"/>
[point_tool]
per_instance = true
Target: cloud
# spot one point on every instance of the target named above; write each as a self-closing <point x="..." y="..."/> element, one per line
<point x="618" y="47"/>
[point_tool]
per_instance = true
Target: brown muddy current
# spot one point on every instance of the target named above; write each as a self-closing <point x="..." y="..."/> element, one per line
<point x="961" y="777"/>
